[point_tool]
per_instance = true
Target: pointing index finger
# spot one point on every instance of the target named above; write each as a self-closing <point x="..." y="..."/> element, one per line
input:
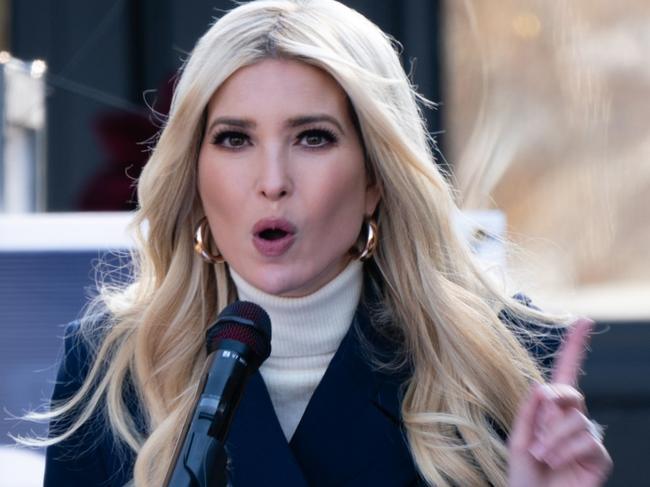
<point x="572" y="353"/>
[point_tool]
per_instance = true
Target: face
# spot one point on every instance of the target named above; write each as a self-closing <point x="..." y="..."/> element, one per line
<point x="282" y="177"/>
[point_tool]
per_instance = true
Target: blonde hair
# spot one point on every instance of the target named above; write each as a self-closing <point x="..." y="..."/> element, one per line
<point x="470" y="372"/>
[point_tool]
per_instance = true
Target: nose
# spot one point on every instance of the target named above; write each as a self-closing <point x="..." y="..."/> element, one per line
<point x="274" y="181"/>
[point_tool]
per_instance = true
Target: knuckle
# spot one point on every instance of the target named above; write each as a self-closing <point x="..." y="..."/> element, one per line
<point x="567" y="396"/>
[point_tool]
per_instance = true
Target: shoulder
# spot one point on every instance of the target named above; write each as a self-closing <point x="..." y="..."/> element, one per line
<point x="541" y="340"/>
<point x="81" y="458"/>
<point x="81" y="340"/>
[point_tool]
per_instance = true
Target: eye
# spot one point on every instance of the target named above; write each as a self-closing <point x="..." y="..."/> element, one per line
<point x="316" y="138"/>
<point x="231" y="139"/>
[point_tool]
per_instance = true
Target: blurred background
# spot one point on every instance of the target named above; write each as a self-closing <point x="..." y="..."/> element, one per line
<point x="543" y="121"/>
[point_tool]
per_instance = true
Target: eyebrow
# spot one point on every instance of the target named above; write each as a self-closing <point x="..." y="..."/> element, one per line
<point x="294" y="122"/>
<point x="307" y="119"/>
<point x="233" y="122"/>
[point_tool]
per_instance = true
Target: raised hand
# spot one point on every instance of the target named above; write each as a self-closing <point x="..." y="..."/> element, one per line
<point x="553" y="443"/>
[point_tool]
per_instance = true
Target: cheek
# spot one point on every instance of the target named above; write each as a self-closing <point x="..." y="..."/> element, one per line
<point x="204" y="177"/>
<point x="340" y="208"/>
<point x="217" y="201"/>
<point x="211" y="186"/>
<point x="220" y="203"/>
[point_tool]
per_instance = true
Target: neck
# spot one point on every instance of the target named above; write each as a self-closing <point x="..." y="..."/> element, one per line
<point x="312" y="324"/>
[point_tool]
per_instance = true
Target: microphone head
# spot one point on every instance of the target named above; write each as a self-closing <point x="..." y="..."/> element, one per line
<point x="244" y="322"/>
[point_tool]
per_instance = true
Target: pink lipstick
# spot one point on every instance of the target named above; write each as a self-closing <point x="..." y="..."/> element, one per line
<point x="272" y="237"/>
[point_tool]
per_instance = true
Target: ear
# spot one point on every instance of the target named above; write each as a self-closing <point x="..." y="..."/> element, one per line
<point x="373" y="195"/>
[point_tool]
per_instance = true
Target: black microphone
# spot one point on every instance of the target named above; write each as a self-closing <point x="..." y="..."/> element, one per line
<point x="237" y="343"/>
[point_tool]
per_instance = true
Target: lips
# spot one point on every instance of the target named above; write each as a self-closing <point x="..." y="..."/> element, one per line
<point x="272" y="237"/>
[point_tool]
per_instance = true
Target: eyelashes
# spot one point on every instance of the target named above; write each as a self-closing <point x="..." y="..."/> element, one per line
<point x="313" y="138"/>
<point x="230" y="139"/>
<point x="317" y="137"/>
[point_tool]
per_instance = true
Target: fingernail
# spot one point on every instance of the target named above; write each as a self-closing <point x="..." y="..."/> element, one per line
<point x="584" y="322"/>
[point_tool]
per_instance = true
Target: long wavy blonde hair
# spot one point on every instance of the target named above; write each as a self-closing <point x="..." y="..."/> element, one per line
<point x="470" y="371"/>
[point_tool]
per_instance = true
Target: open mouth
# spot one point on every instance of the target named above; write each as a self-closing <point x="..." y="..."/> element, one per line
<point x="272" y="237"/>
<point x="273" y="234"/>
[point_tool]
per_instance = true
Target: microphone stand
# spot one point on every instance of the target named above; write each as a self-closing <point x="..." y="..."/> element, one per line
<point x="201" y="464"/>
<point x="202" y="459"/>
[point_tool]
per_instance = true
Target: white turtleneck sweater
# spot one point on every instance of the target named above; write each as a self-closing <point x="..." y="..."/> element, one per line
<point x="306" y="333"/>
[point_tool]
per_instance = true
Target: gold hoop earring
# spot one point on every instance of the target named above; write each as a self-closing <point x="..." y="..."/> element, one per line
<point x="371" y="239"/>
<point x="201" y="237"/>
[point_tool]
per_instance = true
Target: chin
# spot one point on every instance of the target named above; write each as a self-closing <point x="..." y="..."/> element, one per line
<point x="288" y="289"/>
<point x="278" y="284"/>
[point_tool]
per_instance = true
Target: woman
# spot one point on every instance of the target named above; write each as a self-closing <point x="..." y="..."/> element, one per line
<point x="296" y="157"/>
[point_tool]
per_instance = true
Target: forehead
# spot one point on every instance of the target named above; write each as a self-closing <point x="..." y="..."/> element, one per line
<point x="279" y="85"/>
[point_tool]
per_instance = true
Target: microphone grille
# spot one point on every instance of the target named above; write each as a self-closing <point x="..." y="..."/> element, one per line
<point x="244" y="322"/>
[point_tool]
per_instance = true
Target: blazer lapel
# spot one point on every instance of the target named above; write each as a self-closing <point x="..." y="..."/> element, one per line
<point x="258" y="451"/>
<point x="351" y="431"/>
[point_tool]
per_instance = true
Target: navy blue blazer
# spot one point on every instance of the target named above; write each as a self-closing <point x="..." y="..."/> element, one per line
<point x="350" y="434"/>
